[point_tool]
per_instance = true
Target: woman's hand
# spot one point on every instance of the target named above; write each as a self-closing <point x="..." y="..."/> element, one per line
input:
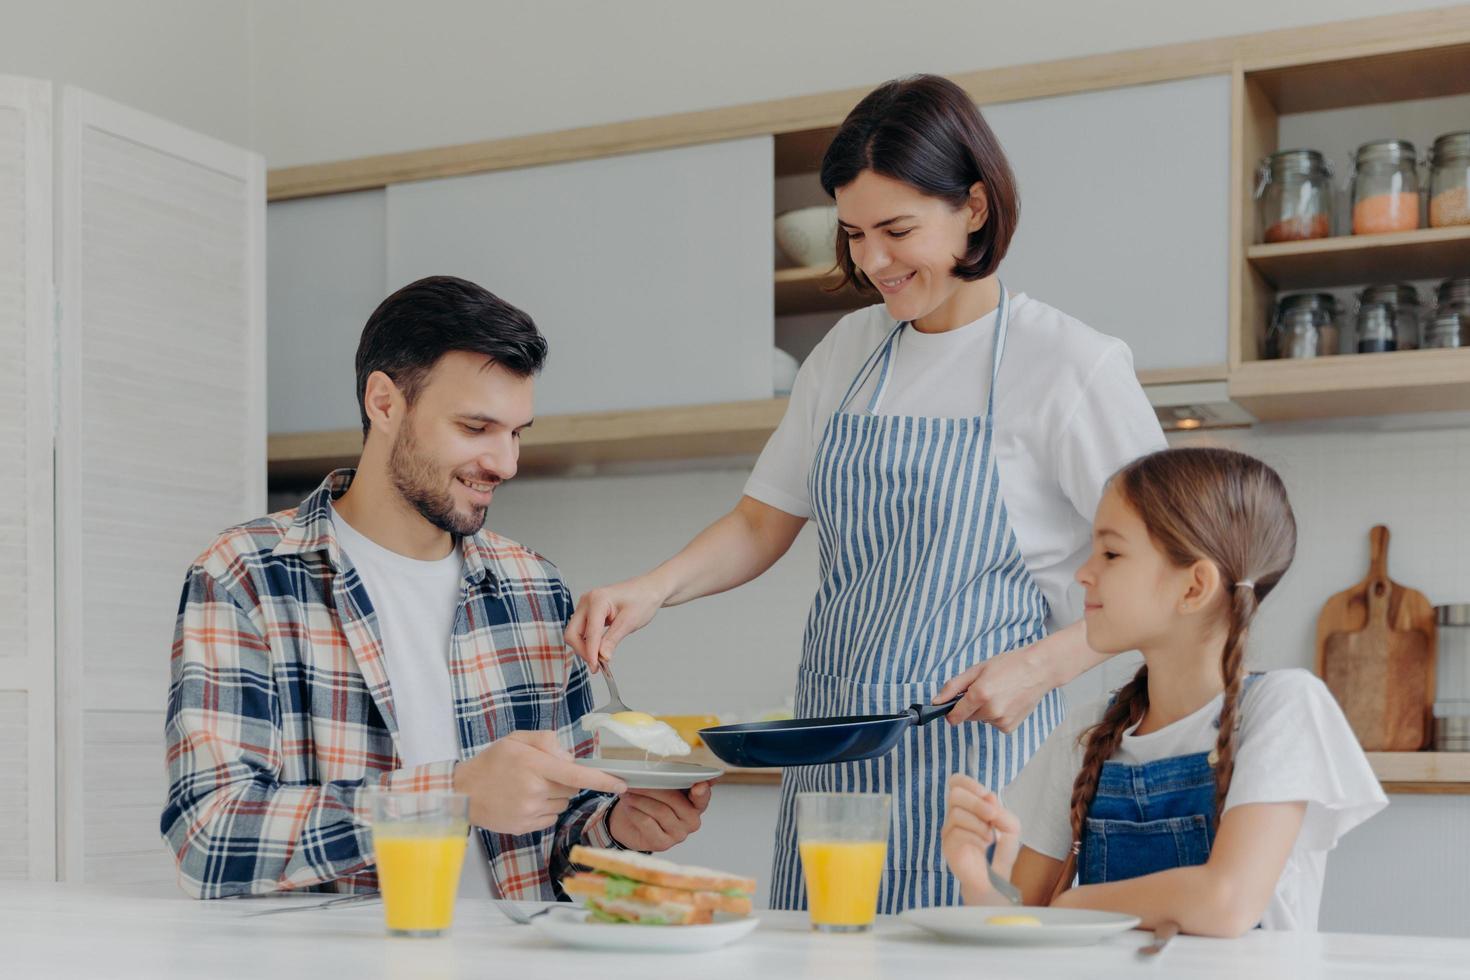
<point x="1001" y="691"/>
<point x="973" y="820"/>
<point x="604" y="616"/>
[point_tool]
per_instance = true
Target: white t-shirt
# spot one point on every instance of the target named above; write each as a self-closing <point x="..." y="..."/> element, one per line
<point x="1068" y="413"/>
<point x="416" y="602"/>
<point x="1293" y="744"/>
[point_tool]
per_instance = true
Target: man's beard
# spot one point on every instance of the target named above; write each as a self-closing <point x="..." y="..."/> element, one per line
<point x="417" y="480"/>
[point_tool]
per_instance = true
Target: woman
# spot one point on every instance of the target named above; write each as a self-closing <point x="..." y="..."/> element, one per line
<point x="951" y="446"/>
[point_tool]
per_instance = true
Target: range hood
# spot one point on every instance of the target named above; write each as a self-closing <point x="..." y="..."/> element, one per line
<point x="1186" y="405"/>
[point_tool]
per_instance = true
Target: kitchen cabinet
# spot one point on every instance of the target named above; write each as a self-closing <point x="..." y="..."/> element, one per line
<point x="1124" y="221"/>
<point x="649" y="273"/>
<point x="1156" y="148"/>
<point x="326" y="273"/>
<point x="1331" y="101"/>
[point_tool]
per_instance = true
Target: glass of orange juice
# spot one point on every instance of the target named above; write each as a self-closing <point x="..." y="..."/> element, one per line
<point x="843" y="839"/>
<point x="419" y="843"/>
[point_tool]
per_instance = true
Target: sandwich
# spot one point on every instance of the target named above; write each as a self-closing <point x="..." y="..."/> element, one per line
<point x="632" y="888"/>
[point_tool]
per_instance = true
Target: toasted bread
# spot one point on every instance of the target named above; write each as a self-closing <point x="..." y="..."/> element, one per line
<point x="656" y="871"/>
<point x="594" y="885"/>
<point x="642" y="913"/>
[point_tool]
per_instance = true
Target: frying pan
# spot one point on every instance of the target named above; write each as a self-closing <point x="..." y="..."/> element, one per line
<point x="816" y="741"/>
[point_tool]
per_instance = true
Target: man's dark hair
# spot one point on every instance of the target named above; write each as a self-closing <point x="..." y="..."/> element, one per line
<point x="423" y="321"/>
<point x="927" y="132"/>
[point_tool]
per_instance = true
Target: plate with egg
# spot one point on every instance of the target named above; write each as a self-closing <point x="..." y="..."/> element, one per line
<point x="1022" y="926"/>
<point x="654" y="738"/>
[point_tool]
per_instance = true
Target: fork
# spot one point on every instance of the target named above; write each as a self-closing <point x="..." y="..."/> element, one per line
<point x="1007" y="890"/>
<point x="513" y="912"/>
<point x="1164" y="932"/>
<point x="615" y="703"/>
<point x="329" y="904"/>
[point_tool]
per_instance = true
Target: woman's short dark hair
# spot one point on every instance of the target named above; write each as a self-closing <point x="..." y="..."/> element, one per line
<point x="423" y="321"/>
<point x="927" y="132"/>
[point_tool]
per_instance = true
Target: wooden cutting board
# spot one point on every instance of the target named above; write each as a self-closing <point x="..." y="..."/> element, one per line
<point x="1376" y="653"/>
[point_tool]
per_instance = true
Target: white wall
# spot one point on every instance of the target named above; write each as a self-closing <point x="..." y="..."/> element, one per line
<point x="187" y="61"/>
<point x="345" y="78"/>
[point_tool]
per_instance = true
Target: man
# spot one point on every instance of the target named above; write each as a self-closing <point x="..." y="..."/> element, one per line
<point x="378" y="637"/>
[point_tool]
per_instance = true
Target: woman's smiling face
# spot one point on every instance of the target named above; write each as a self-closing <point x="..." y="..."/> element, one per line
<point x="907" y="242"/>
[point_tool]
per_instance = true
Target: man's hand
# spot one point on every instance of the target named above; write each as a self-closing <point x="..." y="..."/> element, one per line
<point x="657" y="819"/>
<point x="522" y="783"/>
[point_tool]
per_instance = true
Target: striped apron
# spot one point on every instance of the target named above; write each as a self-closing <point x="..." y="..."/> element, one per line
<point x="920" y="579"/>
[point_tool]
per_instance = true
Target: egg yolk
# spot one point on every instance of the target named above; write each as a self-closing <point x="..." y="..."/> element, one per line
<point x="1013" y="920"/>
<point x="634" y="718"/>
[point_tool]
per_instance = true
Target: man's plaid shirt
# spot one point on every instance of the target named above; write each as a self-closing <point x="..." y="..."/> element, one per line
<point x="280" y="718"/>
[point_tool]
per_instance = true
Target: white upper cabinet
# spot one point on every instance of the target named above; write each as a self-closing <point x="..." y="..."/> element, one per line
<point x="649" y="273"/>
<point x="325" y="259"/>
<point x="1124" y="213"/>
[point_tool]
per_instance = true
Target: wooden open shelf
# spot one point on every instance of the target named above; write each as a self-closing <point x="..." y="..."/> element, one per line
<point x="1426" y="69"/>
<point x="1429" y="253"/>
<point x="1354" y="384"/>
<point x="1422" y="772"/>
<point x="1434" y="64"/>
<point x="808" y="290"/>
<point x="801" y="152"/>
<point x="557" y="442"/>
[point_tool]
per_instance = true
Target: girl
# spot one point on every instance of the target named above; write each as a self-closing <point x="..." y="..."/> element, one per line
<point x="1200" y="793"/>
<point x="949" y="444"/>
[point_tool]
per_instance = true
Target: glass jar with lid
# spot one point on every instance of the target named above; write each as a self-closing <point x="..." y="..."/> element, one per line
<point x="1403" y="299"/>
<point x="1304" y="325"/>
<point x="1450" y="326"/>
<point x="1293" y="196"/>
<point x="1446" y="330"/>
<point x="1449" y="181"/>
<point x="1385" y="188"/>
<point x="1452" y="678"/>
<point x="1454" y="293"/>
<point x="1375" y="328"/>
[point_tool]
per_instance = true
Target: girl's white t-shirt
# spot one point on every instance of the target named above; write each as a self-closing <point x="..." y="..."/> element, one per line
<point x="1069" y="412"/>
<point x="1292" y="744"/>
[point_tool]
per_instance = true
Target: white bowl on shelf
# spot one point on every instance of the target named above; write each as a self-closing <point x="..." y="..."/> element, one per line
<point x="809" y="235"/>
<point x="783" y="372"/>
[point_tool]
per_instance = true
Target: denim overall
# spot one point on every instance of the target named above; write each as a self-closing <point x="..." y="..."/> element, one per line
<point x="1151" y="817"/>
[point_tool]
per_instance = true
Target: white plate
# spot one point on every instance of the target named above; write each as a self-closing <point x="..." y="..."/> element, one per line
<point x="570" y="927"/>
<point x="1059" y="927"/>
<point x="639" y="774"/>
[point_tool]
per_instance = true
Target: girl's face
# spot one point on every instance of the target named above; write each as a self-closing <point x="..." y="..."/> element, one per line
<point x="906" y="242"/>
<point x="1136" y="598"/>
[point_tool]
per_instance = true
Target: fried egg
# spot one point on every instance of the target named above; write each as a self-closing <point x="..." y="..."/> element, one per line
<point x="1013" y="920"/>
<point x="639" y="730"/>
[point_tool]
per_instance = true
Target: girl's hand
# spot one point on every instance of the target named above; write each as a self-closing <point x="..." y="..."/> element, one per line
<point x="1001" y="691"/>
<point x="974" y="819"/>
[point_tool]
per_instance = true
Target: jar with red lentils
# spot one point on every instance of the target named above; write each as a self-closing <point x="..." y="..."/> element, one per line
<point x="1449" y="181"/>
<point x="1293" y="196"/>
<point x="1385" y="188"/>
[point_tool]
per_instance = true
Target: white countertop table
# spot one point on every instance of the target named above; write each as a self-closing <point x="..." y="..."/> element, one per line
<point x="154" y="932"/>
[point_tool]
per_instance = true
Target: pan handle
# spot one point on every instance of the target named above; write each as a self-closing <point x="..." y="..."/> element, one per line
<point x="925" y="713"/>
